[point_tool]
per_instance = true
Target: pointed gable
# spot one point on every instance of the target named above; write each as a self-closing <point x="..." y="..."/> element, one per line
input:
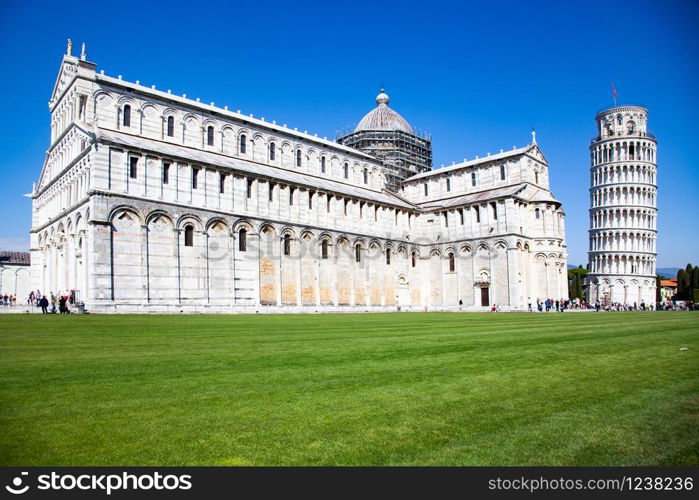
<point x="535" y="152"/>
<point x="68" y="71"/>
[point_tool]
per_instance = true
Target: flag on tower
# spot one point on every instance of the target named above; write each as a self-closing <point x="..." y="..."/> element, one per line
<point x="614" y="93"/>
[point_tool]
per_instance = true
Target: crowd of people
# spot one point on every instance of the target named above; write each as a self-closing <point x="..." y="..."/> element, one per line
<point x="8" y="300"/>
<point x="54" y="303"/>
<point x="61" y="303"/>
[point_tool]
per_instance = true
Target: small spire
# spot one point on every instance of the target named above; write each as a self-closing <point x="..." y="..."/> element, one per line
<point x="533" y="136"/>
<point x="83" y="54"/>
<point x="70" y="47"/>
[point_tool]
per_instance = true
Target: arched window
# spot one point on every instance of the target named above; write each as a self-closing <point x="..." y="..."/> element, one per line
<point x="170" y="126"/>
<point x="189" y="235"/>
<point x="346" y="168"/>
<point x="210" y="135"/>
<point x="448" y="184"/>
<point x="537" y="213"/>
<point x="388" y="256"/>
<point x="272" y="151"/>
<point x="324" y="249"/>
<point x="298" y="158"/>
<point x="127" y="116"/>
<point x="495" y="210"/>
<point x="473" y="178"/>
<point x="366" y="176"/>
<point x="413" y="258"/>
<point x="322" y="164"/>
<point x="477" y="210"/>
<point x="358" y="252"/>
<point x="424" y="186"/>
<point x="287" y="244"/>
<point x="451" y="262"/>
<point x="243" y="240"/>
<point x="536" y="177"/>
<point x="243" y="144"/>
<point x="502" y="172"/>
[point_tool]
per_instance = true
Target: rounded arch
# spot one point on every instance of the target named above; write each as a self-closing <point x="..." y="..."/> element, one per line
<point x="268" y="229"/>
<point x="157" y="214"/>
<point x="287" y="231"/>
<point x="147" y="106"/>
<point x="191" y="117"/>
<point x="307" y="235"/>
<point x="242" y="224"/>
<point x="119" y="209"/>
<point x="191" y="219"/>
<point x="209" y="122"/>
<point x="125" y="99"/>
<point x="215" y="221"/>
<point x="359" y="241"/>
<point x="175" y="113"/>
<point x="324" y="236"/>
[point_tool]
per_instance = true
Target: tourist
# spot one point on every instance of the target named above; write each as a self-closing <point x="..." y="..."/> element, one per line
<point x="44" y="304"/>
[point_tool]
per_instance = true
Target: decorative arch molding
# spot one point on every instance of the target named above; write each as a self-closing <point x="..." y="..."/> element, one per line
<point x="118" y="209"/>
<point x="158" y="214"/>
<point x="175" y="113"/>
<point x="360" y="242"/>
<point x="189" y="218"/>
<point x="243" y="224"/>
<point x="125" y="99"/>
<point x="287" y="230"/>
<point x="324" y="236"/>
<point x="214" y="221"/>
<point x="268" y="229"/>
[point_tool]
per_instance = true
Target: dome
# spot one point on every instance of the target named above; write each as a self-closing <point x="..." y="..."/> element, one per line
<point x="383" y="118"/>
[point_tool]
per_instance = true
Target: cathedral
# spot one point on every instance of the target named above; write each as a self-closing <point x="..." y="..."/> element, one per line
<point x="149" y="201"/>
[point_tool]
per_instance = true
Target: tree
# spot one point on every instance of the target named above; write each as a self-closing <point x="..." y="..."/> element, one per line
<point x="682" y="285"/>
<point x="695" y="278"/>
<point x="690" y="284"/>
<point x="658" y="287"/>
<point x="576" y="283"/>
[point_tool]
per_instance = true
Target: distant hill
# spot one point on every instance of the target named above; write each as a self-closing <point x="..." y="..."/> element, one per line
<point x="670" y="272"/>
<point x="571" y="266"/>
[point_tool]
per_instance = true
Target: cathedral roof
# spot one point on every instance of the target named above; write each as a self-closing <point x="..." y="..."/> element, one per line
<point x="383" y="118"/>
<point x="530" y="148"/>
<point x="206" y="157"/>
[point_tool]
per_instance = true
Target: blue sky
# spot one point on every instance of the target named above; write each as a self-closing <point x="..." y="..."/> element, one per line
<point x="477" y="76"/>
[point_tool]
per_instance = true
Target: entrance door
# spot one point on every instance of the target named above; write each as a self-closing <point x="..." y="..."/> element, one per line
<point x="485" y="296"/>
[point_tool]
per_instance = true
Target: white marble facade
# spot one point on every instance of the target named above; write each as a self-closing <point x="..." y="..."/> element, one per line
<point x="148" y="201"/>
<point x="623" y="209"/>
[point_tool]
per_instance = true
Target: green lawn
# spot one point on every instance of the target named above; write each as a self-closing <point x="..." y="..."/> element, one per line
<point x="360" y="389"/>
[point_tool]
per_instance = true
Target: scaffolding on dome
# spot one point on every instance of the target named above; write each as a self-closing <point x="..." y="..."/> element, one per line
<point x="403" y="154"/>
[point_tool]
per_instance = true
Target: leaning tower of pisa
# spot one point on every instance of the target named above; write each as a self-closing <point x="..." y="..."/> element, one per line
<point x="623" y="211"/>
